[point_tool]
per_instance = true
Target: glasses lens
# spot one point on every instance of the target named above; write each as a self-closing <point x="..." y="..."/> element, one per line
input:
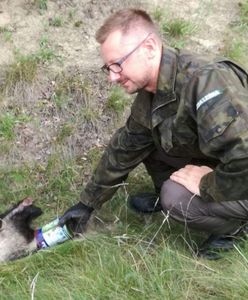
<point x="116" y="68"/>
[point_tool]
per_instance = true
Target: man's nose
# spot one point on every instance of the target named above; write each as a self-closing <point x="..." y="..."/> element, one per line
<point x="114" y="77"/>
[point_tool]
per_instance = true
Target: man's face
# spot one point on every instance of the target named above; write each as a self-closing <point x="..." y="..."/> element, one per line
<point x="134" y="70"/>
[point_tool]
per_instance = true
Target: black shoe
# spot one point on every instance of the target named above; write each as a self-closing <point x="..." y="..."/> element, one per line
<point x="211" y="248"/>
<point x="145" y="203"/>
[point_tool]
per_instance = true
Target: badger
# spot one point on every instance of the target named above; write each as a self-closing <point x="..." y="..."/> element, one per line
<point x="17" y="237"/>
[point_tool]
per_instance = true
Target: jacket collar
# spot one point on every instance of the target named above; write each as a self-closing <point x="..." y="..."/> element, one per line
<point x="165" y="93"/>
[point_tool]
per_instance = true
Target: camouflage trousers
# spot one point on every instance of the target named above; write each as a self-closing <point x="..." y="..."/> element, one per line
<point x="213" y="217"/>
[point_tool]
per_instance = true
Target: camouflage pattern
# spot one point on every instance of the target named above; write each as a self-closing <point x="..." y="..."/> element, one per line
<point x="200" y="112"/>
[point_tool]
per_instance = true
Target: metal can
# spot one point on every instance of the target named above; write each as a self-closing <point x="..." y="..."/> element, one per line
<point x="52" y="234"/>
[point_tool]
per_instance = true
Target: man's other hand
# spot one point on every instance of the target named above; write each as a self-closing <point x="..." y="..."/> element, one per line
<point x="190" y="177"/>
<point x="76" y="217"/>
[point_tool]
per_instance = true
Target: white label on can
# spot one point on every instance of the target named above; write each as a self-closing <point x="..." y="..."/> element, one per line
<point x="55" y="236"/>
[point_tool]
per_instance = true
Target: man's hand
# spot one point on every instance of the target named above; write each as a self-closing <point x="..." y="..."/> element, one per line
<point x="190" y="177"/>
<point x="76" y="217"/>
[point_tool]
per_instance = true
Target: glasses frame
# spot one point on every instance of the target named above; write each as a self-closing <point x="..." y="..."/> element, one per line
<point x="107" y="68"/>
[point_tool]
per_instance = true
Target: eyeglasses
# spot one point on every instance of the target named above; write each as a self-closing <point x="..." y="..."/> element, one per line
<point x="116" y="66"/>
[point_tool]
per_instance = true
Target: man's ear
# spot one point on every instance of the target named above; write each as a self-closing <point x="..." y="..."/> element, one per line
<point x="151" y="46"/>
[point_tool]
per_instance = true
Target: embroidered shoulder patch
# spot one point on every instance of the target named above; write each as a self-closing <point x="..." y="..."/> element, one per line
<point x="208" y="97"/>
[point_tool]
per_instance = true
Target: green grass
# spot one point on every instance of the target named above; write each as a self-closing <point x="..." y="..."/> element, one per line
<point x="126" y="256"/>
<point x="56" y="21"/>
<point x="8" y="121"/>
<point x="117" y="100"/>
<point x="135" y="259"/>
<point x="7" y="125"/>
<point x="235" y="50"/>
<point x="177" y="28"/>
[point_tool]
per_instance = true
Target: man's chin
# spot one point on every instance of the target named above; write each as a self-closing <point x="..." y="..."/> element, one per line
<point x="129" y="89"/>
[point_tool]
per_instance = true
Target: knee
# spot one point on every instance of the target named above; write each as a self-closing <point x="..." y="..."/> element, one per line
<point x="173" y="195"/>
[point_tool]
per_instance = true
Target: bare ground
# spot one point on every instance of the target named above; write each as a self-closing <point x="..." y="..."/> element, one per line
<point x="73" y="42"/>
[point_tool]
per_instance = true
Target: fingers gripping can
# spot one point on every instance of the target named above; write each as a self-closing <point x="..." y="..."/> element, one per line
<point x="52" y="234"/>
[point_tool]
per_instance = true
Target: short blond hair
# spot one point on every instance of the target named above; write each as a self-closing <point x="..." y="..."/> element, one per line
<point x="125" y="20"/>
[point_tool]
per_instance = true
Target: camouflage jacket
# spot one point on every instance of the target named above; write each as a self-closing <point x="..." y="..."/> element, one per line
<point x="200" y="111"/>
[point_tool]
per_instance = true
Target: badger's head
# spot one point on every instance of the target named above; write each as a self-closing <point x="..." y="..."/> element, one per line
<point x="16" y="234"/>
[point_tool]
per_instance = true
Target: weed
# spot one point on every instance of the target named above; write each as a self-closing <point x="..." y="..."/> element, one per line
<point x="117" y="100"/>
<point x="177" y="28"/>
<point x="57" y="21"/>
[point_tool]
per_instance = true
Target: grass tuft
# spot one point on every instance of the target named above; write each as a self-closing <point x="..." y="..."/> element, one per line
<point x="177" y="28"/>
<point x="235" y="50"/>
<point x="24" y="69"/>
<point x="56" y="21"/>
<point x="117" y="100"/>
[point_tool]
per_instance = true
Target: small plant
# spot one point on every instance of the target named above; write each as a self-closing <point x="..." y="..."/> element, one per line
<point x="117" y="100"/>
<point x="57" y="21"/>
<point x="177" y="28"/>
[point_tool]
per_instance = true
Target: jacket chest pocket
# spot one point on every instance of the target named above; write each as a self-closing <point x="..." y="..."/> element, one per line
<point x="214" y="121"/>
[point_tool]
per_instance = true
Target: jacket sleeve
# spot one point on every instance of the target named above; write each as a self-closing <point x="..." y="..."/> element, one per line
<point x="128" y="147"/>
<point x="221" y="114"/>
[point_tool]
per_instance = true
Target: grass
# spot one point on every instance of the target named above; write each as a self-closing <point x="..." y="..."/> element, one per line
<point x="117" y="100"/>
<point x="244" y="12"/>
<point x="177" y="28"/>
<point x="235" y="50"/>
<point x="56" y="21"/>
<point x="65" y="131"/>
<point x="135" y="259"/>
<point x="25" y="67"/>
<point x="127" y="256"/>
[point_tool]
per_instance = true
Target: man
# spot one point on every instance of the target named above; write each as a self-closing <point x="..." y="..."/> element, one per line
<point x="188" y="125"/>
